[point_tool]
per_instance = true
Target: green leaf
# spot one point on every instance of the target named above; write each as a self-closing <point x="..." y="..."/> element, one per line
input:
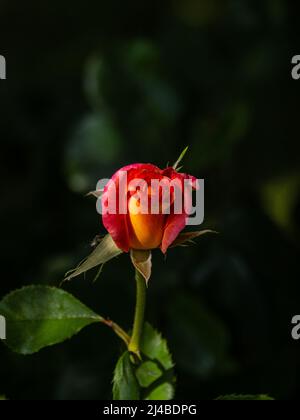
<point x="245" y="398"/>
<point x="105" y="251"/>
<point x="142" y="261"/>
<point x="155" y="347"/>
<point x="2" y="398"/>
<point x="147" y="373"/>
<point x="186" y="238"/>
<point x="151" y="379"/>
<point x="40" y="316"/>
<point x="163" y="392"/>
<point x="156" y="373"/>
<point x="125" y="385"/>
<point x="176" y="164"/>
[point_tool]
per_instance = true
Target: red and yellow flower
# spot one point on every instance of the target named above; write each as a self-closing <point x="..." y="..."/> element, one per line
<point x="135" y="230"/>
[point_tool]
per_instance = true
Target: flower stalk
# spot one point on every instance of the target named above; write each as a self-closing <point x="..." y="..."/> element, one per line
<point x="135" y="341"/>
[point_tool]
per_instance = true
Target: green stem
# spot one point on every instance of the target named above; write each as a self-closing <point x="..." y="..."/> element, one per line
<point x="118" y="330"/>
<point x="134" y="344"/>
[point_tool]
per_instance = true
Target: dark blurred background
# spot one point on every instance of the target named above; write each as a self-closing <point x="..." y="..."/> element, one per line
<point x="96" y="85"/>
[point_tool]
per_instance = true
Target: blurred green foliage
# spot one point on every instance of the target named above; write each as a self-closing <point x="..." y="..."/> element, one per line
<point x="92" y="87"/>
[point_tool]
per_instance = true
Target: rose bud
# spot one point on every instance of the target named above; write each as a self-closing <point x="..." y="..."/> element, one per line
<point x="140" y="206"/>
